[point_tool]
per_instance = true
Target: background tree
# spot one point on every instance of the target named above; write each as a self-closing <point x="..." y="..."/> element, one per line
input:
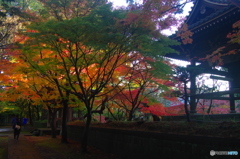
<point x="79" y="54"/>
<point x="67" y="9"/>
<point x="139" y="83"/>
<point x="183" y="76"/>
<point x="86" y="55"/>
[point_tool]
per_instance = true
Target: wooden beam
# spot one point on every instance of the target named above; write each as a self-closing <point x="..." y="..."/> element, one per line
<point x="221" y="78"/>
<point x="204" y="68"/>
<point x="217" y="95"/>
<point x="218" y="98"/>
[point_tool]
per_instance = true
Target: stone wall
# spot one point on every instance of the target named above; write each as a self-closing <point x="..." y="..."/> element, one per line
<point x="212" y="117"/>
<point x="140" y="145"/>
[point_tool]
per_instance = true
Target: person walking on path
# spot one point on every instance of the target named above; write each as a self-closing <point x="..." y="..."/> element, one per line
<point x="22" y="148"/>
<point x="24" y="122"/>
<point x="17" y="128"/>
<point x="14" y="120"/>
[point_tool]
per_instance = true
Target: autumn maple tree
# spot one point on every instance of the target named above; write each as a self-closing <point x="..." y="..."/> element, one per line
<point x="49" y="97"/>
<point x="17" y="91"/>
<point x="78" y="45"/>
<point x="141" y="80"/>
<point x="27" y="89"/>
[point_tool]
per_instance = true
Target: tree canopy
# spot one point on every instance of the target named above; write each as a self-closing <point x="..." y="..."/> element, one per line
<point x="79" y="50"/>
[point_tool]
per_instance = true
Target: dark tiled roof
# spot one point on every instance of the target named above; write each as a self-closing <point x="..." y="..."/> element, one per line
<point x="227" y="4"/>
<point x="209" y="17"/>
<point x="218" y="1"/>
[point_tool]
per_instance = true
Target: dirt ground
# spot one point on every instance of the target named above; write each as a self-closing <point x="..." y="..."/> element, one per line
<point x="52" y="148"/>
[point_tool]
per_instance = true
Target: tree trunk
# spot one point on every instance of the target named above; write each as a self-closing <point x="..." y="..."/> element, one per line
<point x="64" y="112"/>
<point x="64" y="122"/>
<point x="210" y="106"/>
<point x="69" y="114"/>
<point x="130" y="115"/>
<point x="155" y="118"/>
<point x="185" y="102"/>
<point x="37" y="112"/>
<point x="53" y="124"/>
<point x="86" y="133"/>
<point x="30" y="114"/>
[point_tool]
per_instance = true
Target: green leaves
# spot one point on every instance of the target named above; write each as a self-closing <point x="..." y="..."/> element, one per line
<point x="102" y="29"/>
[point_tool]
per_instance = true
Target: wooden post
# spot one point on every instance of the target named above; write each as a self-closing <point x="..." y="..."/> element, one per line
<point x="232" y="104"/>
<point x="192" y="88"/>
<point x="232" y="101"/>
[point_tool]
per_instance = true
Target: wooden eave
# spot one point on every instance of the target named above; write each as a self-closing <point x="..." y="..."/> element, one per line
<point x="198" y="4"/>
<point x="217" y="95"/>
<point x="216" y="4"/>
<point x="208" y="26"/>
<point x="219" y="18"/>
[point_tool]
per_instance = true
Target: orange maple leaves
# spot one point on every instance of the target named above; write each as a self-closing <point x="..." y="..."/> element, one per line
<point x="216" y="57"/>
<point x="185" y="34"/>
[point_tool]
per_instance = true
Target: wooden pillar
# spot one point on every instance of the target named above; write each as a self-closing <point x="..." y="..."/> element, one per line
<point x="234" y="83"/>
<point x="192" y="88"/>
<point x="232" y="101"/>
<point x="232" y="104"/>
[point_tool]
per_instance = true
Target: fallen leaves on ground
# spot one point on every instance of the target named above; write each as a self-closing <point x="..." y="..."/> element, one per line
<point x="52" y="148"/>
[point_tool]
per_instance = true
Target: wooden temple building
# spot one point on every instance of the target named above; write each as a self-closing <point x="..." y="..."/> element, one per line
<point x="210" y="21"/>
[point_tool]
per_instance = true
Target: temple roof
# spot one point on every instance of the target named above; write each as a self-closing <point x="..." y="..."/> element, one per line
<point x="205" y="10"/>
<point x="218" y="2"/>
<point x="210" y="21"/>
